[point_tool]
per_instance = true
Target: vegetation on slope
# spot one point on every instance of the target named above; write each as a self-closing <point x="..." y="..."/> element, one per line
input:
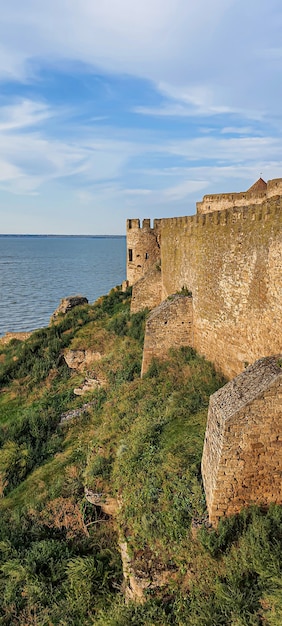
<point x="139" y="442"/>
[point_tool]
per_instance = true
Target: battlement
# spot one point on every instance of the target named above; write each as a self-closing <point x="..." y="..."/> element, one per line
<point x="256" y="195"/>
<point x="231" y="261"/>
<point x="144" y="244"/>
<point x="271" y="207"/>
<point x="142" y="248"/>
<point x="229" y="256"/>
<point x="134" y="224"/>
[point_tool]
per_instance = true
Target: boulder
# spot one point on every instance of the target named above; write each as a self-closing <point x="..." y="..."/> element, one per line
<point x="88" y="385"/>
<point x="81" y="359"/>
<point x="67" y="304"/>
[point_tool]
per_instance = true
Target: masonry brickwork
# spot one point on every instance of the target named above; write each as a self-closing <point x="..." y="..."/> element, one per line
<point x="143" y="248"/>
<point x="147" y="289"/>
<point x="170" y="325"/>
<point x="229" y="256"/>
<point x="231" y="261"/>
<point x="242" y="457"/>
<point x="258" y="193"/>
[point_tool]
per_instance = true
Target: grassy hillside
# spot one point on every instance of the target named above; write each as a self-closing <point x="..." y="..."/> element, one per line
<point x="138" y="444"/>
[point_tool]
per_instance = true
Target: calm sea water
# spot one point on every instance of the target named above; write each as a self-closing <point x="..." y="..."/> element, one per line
<point x="36" y="272"/>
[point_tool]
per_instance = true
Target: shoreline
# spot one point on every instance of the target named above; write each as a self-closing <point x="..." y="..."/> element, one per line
<point x="21" y="336"/>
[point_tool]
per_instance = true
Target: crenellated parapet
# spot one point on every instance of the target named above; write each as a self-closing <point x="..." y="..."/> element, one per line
<point x="255" y="195"/>
<point x="231" y="261"/>
<point x="229" y="256"/>
<point x="143" y="247"/>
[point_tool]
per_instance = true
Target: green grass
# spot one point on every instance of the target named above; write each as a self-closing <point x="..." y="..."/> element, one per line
<point x="141" y="442"/>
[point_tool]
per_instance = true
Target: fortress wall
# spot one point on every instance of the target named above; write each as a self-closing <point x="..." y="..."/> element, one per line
<point x="274" y="187"/>
<point x="242" y="461"/>
<point x="220" y="202"/>
<point x="142" y="249"/>
<point x="147" y="292"/>
<point x="232" y="262"/>
<point x="169" y="325"/>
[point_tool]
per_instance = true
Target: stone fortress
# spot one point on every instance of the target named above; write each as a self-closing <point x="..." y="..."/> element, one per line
<point x="213" y="281"/>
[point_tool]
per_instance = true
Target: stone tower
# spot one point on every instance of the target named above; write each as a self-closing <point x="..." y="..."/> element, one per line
<point x="143" y="248"/>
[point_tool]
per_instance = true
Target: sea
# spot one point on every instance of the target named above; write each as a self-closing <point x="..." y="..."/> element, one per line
<point x="36" y="272"/>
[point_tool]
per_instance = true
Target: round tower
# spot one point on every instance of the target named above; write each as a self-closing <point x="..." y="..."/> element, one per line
<point x="142" y="248"/>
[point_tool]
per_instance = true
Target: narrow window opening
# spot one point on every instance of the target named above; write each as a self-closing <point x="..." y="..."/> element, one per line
<point x="129" y="224"/>
<point x="130" y="255"/>
<point x="146" y="255"/>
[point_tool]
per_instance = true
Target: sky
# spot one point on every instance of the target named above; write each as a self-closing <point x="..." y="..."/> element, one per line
<point x="116" y="109"/>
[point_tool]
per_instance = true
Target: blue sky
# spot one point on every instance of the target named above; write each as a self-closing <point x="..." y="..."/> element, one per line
<point x="113" y="109"/>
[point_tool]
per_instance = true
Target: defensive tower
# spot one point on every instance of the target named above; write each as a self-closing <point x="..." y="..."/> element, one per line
<point x="143" y="248"/>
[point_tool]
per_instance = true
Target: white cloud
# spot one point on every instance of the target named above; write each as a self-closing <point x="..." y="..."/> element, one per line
<point x="184" y="189"/>
<point x="200" y="53"/>
<point x="137" y="192"/>
<point x="31" y="155"/>
<point x="92" y="156"/>
<point x="23" y="114"/>
<point x="238" y="130"/>
<point x="235" y="149"/>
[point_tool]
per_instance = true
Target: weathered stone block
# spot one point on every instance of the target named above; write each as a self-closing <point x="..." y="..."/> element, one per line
<point x="169" y="325"/>
<point x="254" y="473"/>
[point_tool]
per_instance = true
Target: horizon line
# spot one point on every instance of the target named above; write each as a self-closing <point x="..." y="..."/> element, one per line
<point x="55" y="235"/>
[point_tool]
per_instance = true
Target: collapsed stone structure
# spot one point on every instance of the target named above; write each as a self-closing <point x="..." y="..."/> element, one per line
<point x="66" y="304"/>
<point x="242" y="457"/>
<point x="228" y="259"/>
<point x="170" y="325"/>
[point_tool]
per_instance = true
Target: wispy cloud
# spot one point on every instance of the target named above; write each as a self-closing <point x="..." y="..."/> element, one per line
<point x="238" y="130"/>
<point x="23" y="114"/>
<point x="137" y="107"/>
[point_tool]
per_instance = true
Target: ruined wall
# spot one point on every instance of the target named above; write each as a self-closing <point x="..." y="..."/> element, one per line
<point x="254" y="196"/>
<point x="242" y="461"/>
<point x="169" y="325"/>
<point x="143" y="248"/>
<point x="147" y="292"/>
<point x="232" y="262"/>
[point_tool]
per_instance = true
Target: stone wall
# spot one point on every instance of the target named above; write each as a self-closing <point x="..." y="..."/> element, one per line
<point x="147" y="292"/>
<point x="143" y="248"/>
<point x="222" y="201"/>
<point x="242" y="460"/>
<point x="232" y="263"/>
<point x="256" y="195"/>
<point x="170" y="325"/>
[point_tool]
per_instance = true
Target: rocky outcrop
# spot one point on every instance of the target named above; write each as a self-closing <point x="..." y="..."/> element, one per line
<point x="67" y="304"/>
<point x="81" y="360"/>
<point x="19" y="336"/>
<point x="136" y="580"/>
<point x="89" y="384"/>
<point x="73" y="413"/>
<point x="107" y="504"/>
